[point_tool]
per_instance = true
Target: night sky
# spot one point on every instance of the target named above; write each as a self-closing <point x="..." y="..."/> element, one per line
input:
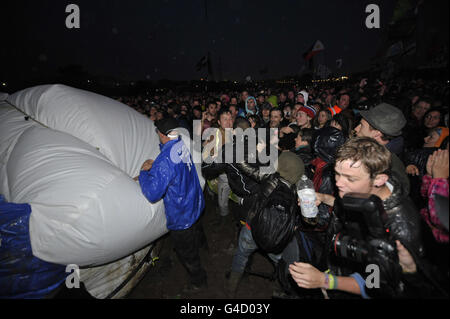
<point x="153" y="40"/>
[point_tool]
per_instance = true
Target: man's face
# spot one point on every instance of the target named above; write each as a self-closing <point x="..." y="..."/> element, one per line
<point x="282" y="97"/>
<point x="432" y="119"/>
<point x="275" y="118"/>
<point x="244" y="96"/>
<point x="225" y="121"/>
<point x="344" y="101"/>
<point x="302" y="118"/>
<point x="212" y="109"/>
<point x="291" y="95"/>
<point x="251" y="104"/>
<point x="352" y="177"/>
<point x="261" y="99"/>
<point x="233" y="111"/>
<point x="300" y="99"/>
<point x="363" y="129"/>
<point x="233" y="101"/>
<point x="197" y="114"/>
<point x="421" y="109"/>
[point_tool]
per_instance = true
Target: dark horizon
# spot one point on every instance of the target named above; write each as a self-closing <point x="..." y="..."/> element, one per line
<point x="150" y="41"/>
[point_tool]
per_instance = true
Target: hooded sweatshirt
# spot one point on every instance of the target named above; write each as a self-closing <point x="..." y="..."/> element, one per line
<point x="305" y="96"/>
<point x="249" y="112"/>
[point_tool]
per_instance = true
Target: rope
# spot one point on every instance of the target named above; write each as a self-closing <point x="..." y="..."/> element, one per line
<point x="27" y="117"/>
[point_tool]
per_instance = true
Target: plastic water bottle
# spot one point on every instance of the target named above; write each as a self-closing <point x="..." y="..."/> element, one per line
<point x="307" y="196"/>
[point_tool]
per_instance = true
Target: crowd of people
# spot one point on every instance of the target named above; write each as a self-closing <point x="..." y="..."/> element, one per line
<point x="387" y="138"/>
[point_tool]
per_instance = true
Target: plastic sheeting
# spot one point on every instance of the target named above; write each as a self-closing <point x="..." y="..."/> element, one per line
<point x="126" y="137"/>
<point x="85" y="210"/>
<point x="21" y="274"/>
<point x="117" y="279"/>
<point x="73" y="160"/>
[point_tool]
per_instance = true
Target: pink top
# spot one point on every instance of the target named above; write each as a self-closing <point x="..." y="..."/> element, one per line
<point x="430" y="187"/>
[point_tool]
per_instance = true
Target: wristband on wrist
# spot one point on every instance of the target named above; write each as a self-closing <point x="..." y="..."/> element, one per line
<point x="330" y="281"/>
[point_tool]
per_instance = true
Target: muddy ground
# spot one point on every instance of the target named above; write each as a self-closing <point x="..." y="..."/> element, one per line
<point x="168" y="277"/>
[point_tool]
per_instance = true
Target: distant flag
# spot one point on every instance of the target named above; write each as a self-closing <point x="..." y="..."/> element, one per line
<point x="339" y="63"/>
<point x="315" y="49"/>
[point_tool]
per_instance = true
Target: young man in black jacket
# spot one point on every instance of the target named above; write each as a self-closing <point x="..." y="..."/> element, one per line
<point x="363" y="166"/>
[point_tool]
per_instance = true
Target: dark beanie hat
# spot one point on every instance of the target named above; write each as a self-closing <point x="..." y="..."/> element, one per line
<point x="167" y="125"/>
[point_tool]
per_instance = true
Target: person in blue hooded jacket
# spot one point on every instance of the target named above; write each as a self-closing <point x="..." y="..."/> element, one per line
<point x="251" y="107"/>
<point x="172" y="177"/>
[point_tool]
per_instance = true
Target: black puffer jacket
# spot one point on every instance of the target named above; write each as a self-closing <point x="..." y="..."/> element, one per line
<point x="268" y="184"/>
<point x="325" y="148"/>
<point x="327" y="143"/>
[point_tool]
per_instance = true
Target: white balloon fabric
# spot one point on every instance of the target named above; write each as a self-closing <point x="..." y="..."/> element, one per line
<point x="126" y="137"/>
<point x="73" y="162"/>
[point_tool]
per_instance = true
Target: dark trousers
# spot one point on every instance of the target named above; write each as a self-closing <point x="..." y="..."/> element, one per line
<point x="187" y="243"/>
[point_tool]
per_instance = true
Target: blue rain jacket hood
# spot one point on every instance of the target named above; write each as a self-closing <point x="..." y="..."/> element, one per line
<point x="174" y="178"/>
<point x="249" y="112"/>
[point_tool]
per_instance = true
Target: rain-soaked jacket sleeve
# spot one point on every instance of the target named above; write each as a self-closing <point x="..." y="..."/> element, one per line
<point x="154" y="183"/>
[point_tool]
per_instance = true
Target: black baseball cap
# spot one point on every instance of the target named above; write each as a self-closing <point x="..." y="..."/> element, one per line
<point x="165" y="126"/>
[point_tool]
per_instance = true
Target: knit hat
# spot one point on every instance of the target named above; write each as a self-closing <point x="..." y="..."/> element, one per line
<point x="290" y="167"/>
<point x="308" y="110"/>
<point x="385" y="118"/>
<point x="443" y="133"/>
